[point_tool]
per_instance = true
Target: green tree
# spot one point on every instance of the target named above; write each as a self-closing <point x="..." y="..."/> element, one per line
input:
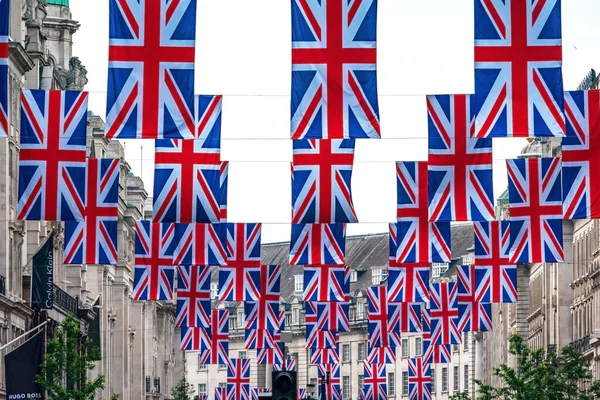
<point x="183" y="390"/>
<point x="67" y="361"/>
<point x="460" y="396"/>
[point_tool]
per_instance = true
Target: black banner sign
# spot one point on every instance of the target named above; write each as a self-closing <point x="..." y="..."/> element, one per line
<point x="42" y="271"/>
<point x="22" y="366"/>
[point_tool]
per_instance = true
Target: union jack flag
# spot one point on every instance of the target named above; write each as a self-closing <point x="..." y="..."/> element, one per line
<point x="52" y="157"/>
<point x="319" y="339"/>
<point x="333" y="390"/>
<point x="187" y="185"/>
<point x="264" y="283"/>
<point x="95" y="240"/>
<point x="443" y="313"/>
<point x="326" y="283"/>
<point x="318" y="244"/>
<point x="256" y="391"/>
<point x="474" y="314"/>
<point x="380" y="334"/>
<point x="302" y="394"/>
<point x="262" y="339"/>
<point x="535" y="196"/>
<point x="328" y="315"/>
<point x="200" y="244"/>
<point x="151" y="69"/>
<point x="223" y="198"/>
<point x="404" y="317"/>
<point x="154" y="271"/>
<point x="290" y="365"/>
<point x="408" y="283"/>
<point x="413" y="239"/>
<point x="375" y="381"/>
<point x="221" y="393"/>
<point x="4" y="19"/>
<point x="362" y="394"/>
<point x="218" y="352"/>
<point x="272" y="356"/>
<point x="460" y="166"/>
<point x="194" y="339"/>
<point x="201" y="397"/>
<point x="381" y="355"/>
<point x="243" y="256"/>
<point x="581" y="155"/>
<point x="419" y="379"/>
<point x="321" y="176"/>
<point x="207" y="111"/>
<point x="263" y="314"/>
<point x="518" y="69"/>
<point x="325" y="356"/>
<point x="433" y="353"/>
<point x="193" y="296"/>
<point x="492" y="248"/>
<point x="334" y="62"/>
<point x="238" y="379"/>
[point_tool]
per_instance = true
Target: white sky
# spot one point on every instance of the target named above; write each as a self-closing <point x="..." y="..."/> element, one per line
<point x="243" y="52"/>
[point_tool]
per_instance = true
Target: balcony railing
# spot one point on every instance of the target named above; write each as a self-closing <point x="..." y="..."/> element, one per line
<point x="65" y="300"/>
<point x="581" y="345"/>
<point x="2" y="285"/>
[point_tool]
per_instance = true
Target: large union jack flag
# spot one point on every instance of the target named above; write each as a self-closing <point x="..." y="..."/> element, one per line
<point x="413" y="239"/>
<point x="193" y="296"/>
<point x="238" y="379"/>
<point x="154" y="271"/>
<point x="325" y="356"/>
<point x="328" y="315"/>
<point x="382" y="355"/>
<point x="273" y="356"/>
<point x="318" y="244"/>
<point x="194" y="339"/>
<point x="151" y="69"/>
<point x="380" y="334"/>
<point x="4" y="19"/>
<point x="264" y="283"/>
<point x="408" y="283"/>
<point x="95" y="240"/>
<point x="52" y="156"/>
<point x="405" y="317"/>
<point x="263" y="314"/>
<point x="419" y="379"/>
<point x="581" y="155"/>
<point x="375" y="381"/>
<point x="334" y="78"/>
<point x="326" y="283"/>
<point x="262" y="339"/>
<point x="474" y="314"/>
<point x="493" y="268"/>
<point x="187" y="185"/>
<point x="443" y="313"/>
<point x="460" y="166"/>
<point x="518" y="68"/>
<point x="200" y="244"/>
<point x="433" y="353"/>
<point x="319" y="339"/>
<point x="243" y="257"/>
<point x="321" y="176"/>
<point x="218" y="352"/>
<point x="333" y="390"/>
<point x="535" y="197"/>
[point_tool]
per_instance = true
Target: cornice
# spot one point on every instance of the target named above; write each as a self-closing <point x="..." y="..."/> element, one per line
<point x="20" y="57"/>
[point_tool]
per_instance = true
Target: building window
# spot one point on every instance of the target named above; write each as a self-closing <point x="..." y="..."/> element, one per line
<point x="404" y="382"/>
<point x="456" y="379"/>
<point x="378" y="275"/>
<point x="346" y="352"/>
<point x="295" y="316"/>
<point x="418" y="346"/>
<point x="360" y="311"/>
<point x="288" y="319"/>
<point x="222" y="384"/>
<point x="444" y="379"/>
<point x="465" y="340"/>
<point x="241" y="319"/>
<point x="466" y="377"/>
<point x="222" y="366"/>
<point x="437" y="269"/>
<point x="233" y="322"/>
<point x="392" y="384"/>
<point x="242" y="355"/>
<point x="455" y="348"/>
<point x="353" y="276"/>
<point x="405" y="348"/>
<point x="361" y="351"/>
<point x="346" y="387"/>
<point x="202" y="389"/>
<point x="214" y="290"/>
<point x="361" y="382"/>
<point x="298" y="283"/>
<point x="432" y="379"/>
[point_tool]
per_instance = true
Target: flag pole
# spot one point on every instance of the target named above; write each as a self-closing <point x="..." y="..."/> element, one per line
<point x="25" y="334"/>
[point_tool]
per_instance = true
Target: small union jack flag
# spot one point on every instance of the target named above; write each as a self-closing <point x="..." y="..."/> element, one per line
<point x="318" y="244"/>
<point x="433" y="353"/>
<point x="413" y="239"/>
<point x="151" y="69"/>
<point x="408" y="283"/>
<point x="4" y="20"/>
<point x="535" y="197"/>
<point x="518" y="69"/>
<point x="207" y="110"/>
<point x="326" y="283"/>
<point x="581" y="155"/>
<point x="492" y="248"/>
<point x="52" y="157"/>
<point x="419" y="379"/>
<point x="223" y="193"/>
<point x="95" y="240"/>
<point x="243" y="256"/>
<point x="272" y="356"/>
<point x="221" y="393"/>
<point x="375" y="381"/>
<point x="380" y="334"/>
<point x="218" y="352"/>
<point x="321" y="177"/>
<point x="443" y="313"/>
<point x="329" y="375"/>
<point x="257" y="391"/>
<point x="474" y="314"/>
<point x="154" y="271"/>
<point x="328" y="315"/>
<point x="187" y="185"/>
<point x="261" y="339"/>
<point x="325" y="356"/>
<point x="290" y="365"/>
<point x="194" y="339"/>
<point x="238" y="379"/>
<point x="404" y="317"/>
<point x="460" y="166"/>
<point x="264" y="283"/>
<point x="200" y="244"/>
<point x="319" y="339"/>
<point x="334" y="78"/>
<point x="381" y="355"/>
<point x="263" y="315"/>
<point x="193" y="296"/>
<point x="302" y="394"/>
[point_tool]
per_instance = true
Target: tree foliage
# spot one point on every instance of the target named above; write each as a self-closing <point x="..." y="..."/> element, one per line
<point x="66" y="364"/>
<point x="542" y="376"/>
<point x="183" y="390"/>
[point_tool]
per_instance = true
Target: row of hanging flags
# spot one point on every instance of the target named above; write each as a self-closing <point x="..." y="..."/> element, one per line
<point x="518" y="93"/>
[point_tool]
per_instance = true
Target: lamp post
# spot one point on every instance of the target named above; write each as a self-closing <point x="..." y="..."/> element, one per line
<point x="324" y="383"/>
